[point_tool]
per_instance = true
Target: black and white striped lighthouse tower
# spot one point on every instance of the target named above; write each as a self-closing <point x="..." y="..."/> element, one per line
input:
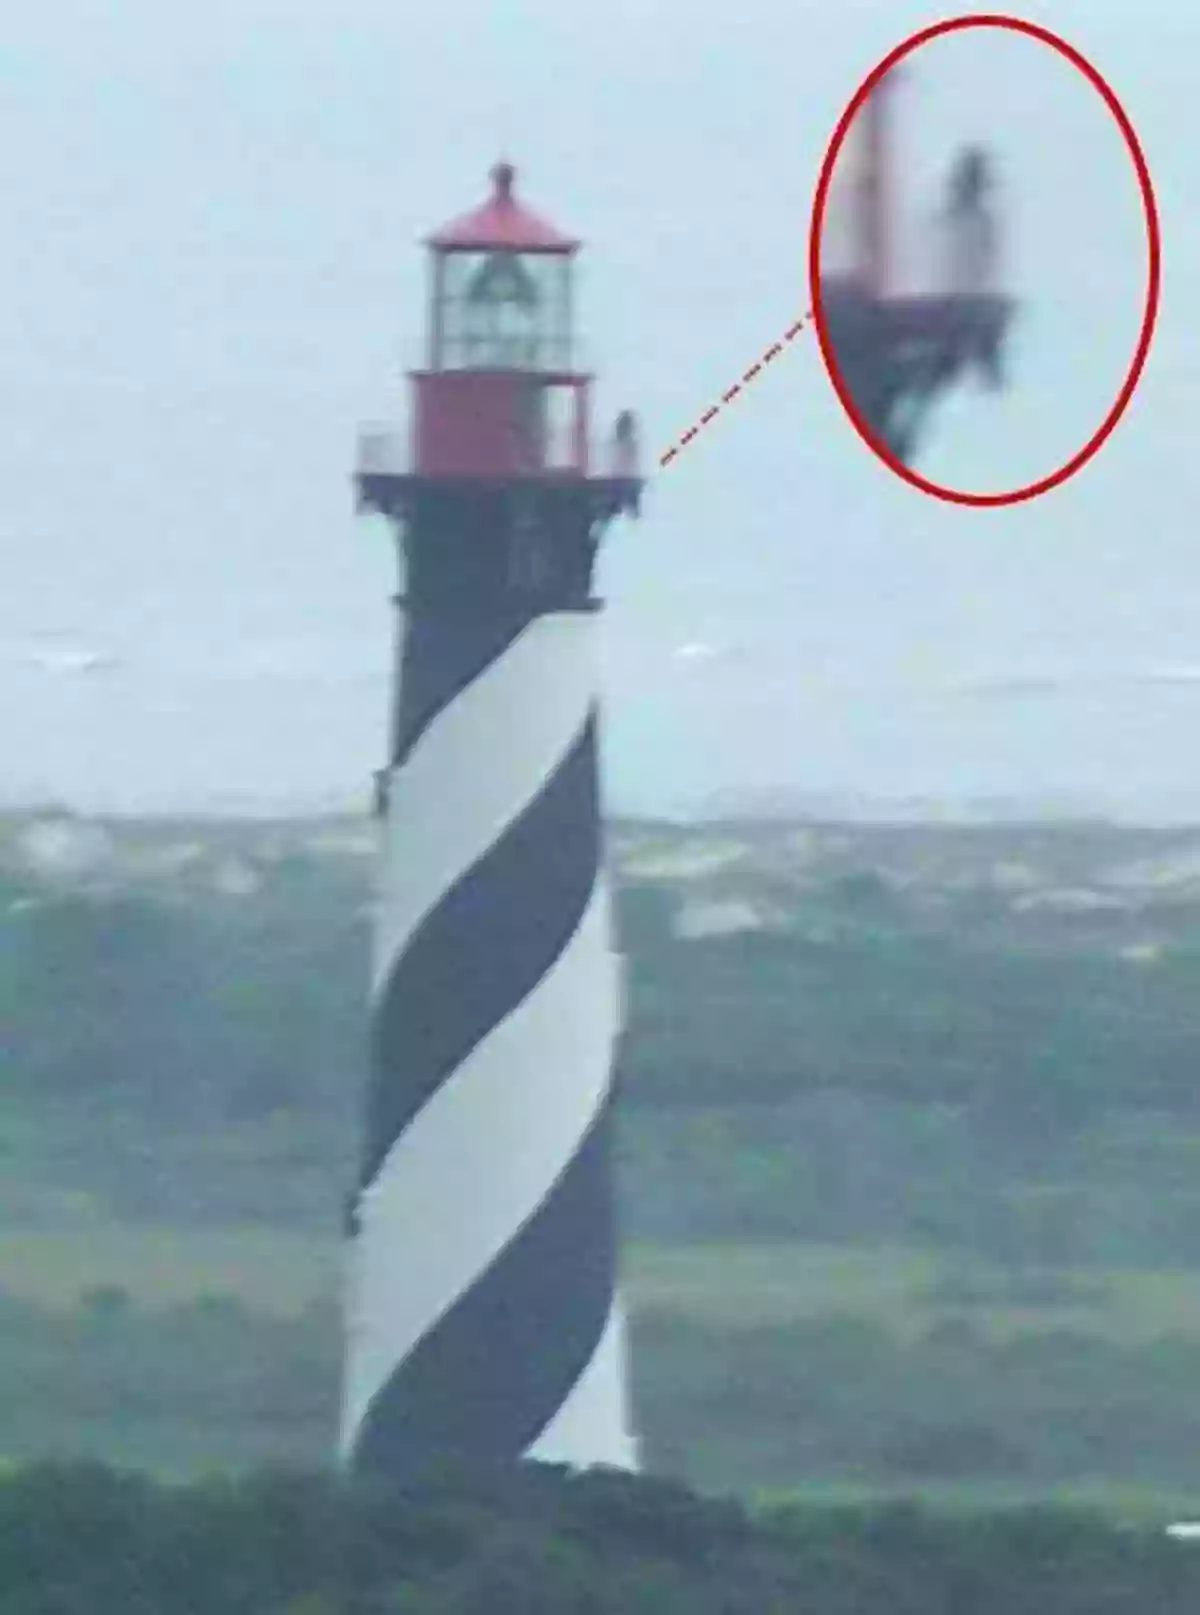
<point x="484" y="1317"/>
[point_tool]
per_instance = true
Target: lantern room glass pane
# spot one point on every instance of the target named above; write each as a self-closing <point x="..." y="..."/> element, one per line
<point x="505" y="311"/>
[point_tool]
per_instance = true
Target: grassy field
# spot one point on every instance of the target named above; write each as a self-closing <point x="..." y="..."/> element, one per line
<point x="132" y="1395"/>
<point x="270" y="1271"/>
<point x="726" y="1284"/>
<point x="765" y="1283"/>
<point x="1135" y="1506"/>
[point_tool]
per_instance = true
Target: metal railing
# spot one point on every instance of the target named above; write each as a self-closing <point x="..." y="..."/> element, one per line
<point x="385" y="452"/>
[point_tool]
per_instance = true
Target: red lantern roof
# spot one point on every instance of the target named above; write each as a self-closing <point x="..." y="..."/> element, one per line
<point x="501" y="224"/>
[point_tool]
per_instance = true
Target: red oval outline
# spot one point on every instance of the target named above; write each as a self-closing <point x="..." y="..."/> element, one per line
<point x="1093" y="446"/>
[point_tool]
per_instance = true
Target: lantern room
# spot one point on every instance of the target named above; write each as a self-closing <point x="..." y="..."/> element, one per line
<point x="501" y="288"/>
<point x="498" y="396"/>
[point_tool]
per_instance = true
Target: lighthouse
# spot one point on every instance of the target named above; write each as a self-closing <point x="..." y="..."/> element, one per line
<point x="484" y="1318"/>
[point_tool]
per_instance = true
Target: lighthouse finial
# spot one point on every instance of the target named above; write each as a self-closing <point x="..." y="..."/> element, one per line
<point x="503" y="176"/>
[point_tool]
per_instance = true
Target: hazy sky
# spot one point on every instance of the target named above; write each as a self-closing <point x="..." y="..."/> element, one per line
<point x="211" y="278"/>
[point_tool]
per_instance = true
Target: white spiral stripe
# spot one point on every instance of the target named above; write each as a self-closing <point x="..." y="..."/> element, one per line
<point x="478" y="1160"/>
<point x="480" y="762"/>
<point x="593" y="1418"/>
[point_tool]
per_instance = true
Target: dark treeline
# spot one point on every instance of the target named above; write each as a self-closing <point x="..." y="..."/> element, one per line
<point x="880" y="1084"/>
<point x="258" y="1005"/>
<point x="85" y="1540"/>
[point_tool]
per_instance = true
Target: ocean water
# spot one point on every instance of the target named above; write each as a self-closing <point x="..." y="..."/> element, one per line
<point x="260" y="729"/>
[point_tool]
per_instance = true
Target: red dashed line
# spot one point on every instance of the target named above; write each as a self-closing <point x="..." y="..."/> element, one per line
<point x="772" y="352"/>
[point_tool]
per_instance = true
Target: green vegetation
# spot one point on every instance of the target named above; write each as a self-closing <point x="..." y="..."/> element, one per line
<point x="906" y="1204"/>
<point x="743" y="1377"/>
<point x="883" y="1085"/>
<point x="81" y="1540"/>
<point x="256" y="1006"/>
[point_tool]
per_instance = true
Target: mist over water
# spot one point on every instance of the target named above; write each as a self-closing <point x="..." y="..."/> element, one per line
<point x="219" y="279"/>
<point x="258" y="731"/>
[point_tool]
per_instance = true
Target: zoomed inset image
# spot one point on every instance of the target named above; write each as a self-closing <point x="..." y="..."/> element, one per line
<point x="984" y="224"/>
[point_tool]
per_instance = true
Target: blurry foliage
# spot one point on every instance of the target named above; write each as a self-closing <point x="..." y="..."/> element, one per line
<point x="723" y="1402"/>
<point x="883" y="1083"/>
<point x="81" y="1539"/>
<point x="261" y="1002"/>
